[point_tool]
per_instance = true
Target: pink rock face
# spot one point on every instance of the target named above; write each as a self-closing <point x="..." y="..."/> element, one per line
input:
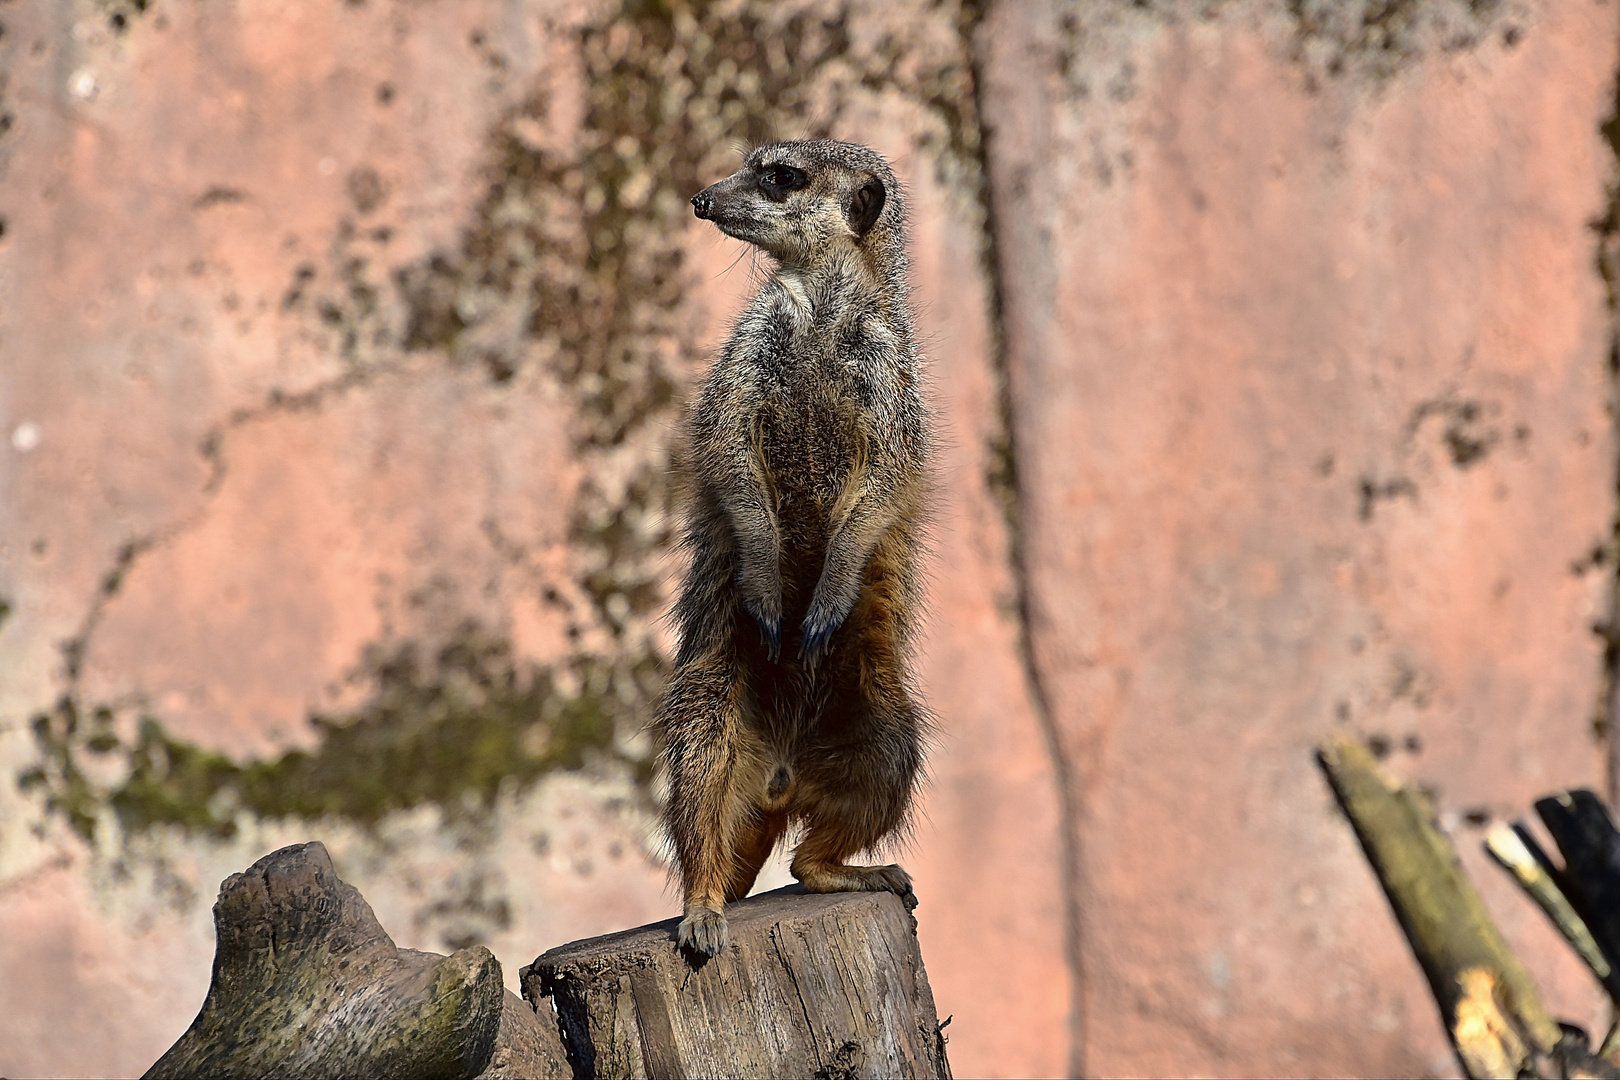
<point x="1270" y="357"/>
<point x="1308" y="379"/>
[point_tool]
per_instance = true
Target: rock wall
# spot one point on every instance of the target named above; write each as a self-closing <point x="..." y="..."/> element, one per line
<point x="341" y="344"/>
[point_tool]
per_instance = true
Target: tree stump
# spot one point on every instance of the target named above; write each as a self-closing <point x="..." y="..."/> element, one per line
<point x="823" y="985"/>
<point x="307" y="983"/>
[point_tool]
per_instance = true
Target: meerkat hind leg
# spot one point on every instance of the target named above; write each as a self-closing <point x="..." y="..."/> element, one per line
<point x="819" y="865"/>
<point x="713" y="877"/>
<point x="857" y="794"/>
<point x="703" y="928"/>
<point x="725" y="867"/>
<point x="717" y="764"/>
<point x="752" y="848"/>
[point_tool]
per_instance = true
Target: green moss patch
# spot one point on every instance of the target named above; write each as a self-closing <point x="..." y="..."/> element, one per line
<point x="453" y="730"/>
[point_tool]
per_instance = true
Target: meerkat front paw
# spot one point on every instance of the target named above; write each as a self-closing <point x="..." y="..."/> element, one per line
<point x="761" y="589"/>
<point x="703" y="931"/>
<point x="829" y="607"/>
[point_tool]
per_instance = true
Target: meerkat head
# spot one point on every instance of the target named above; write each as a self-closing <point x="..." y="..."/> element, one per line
<point x="803" y="201"/>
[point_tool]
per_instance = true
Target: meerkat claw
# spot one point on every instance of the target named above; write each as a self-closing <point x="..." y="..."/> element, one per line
<point x="771" y="633"/>
<point x="815" y="639"/>
<point x="892" y="878"/>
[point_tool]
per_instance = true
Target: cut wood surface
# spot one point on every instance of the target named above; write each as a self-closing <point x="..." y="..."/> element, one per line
<point x="307" y="983"/>
<point x="813" y="985"/>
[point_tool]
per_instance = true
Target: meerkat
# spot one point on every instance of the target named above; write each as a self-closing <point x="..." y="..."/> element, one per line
<point x="807" y="466"/>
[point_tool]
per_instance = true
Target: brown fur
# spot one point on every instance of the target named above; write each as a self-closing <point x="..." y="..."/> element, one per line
<point x="807" y="457"/>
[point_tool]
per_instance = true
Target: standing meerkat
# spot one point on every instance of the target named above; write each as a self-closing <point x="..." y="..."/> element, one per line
<point x="791" y="702"/>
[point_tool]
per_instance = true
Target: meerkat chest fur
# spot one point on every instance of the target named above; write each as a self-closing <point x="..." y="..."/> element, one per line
<point x="826" y="399"/>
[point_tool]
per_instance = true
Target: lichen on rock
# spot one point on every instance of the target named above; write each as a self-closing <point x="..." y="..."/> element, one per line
<point x="452" y="730"/>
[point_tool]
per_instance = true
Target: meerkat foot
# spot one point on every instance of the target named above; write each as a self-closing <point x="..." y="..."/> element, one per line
<point x="703" y="930"/>
<point x="840" y="878"/>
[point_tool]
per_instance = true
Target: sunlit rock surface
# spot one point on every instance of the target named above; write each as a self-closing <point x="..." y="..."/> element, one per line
<point x="343" y="342"/>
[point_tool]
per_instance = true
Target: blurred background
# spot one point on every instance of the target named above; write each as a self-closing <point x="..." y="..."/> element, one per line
<point x="341" y="343"/>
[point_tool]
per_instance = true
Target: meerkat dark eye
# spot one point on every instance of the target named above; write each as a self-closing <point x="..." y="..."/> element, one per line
<point x="777" y="180"/>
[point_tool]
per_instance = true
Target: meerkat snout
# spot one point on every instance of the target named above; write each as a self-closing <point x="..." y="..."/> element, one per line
<point x="701" y="202"/>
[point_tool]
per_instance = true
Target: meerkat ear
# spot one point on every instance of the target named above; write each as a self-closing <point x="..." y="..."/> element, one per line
<point x="865" y="206"/>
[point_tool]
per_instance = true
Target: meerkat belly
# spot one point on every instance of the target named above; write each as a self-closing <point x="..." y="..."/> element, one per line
<point x="809" y="446"/>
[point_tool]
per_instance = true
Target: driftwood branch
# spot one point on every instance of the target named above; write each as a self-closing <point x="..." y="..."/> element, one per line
<point x="307" y="983"/>
<point x="1490" y="1007"/>
<point x="812" y="985"/>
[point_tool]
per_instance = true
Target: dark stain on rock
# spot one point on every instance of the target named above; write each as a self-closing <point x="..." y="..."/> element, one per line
<point x="471" y="912"/>
<point x="346" y="301"/>
<point x="1595" y="559"/>
<point x="1464" y="432"/>
<point x="294" y="296"/>
<point x="1375" y="39"/>
<point x="121" y="14"/>
<point x="1374" y="491"/>
<point x="429" y="289"/>
<point x="1606" y="724"/>
<point x="217" y="196"/>
<point x="366" y="189"/>
<point x="59" y="735"/>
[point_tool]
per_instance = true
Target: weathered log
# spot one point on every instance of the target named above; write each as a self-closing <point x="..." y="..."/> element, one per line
<point x="823" y="985"/>
<point x="1490" y="1007"/>
<point x="307" y="983"/>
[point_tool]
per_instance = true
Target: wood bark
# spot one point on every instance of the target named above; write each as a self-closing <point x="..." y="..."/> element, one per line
<point x="815" y="985"/>
<point x="307" y="983"/>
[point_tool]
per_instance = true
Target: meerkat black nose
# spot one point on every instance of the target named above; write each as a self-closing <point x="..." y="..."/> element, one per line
<point x="702" y="202"/>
